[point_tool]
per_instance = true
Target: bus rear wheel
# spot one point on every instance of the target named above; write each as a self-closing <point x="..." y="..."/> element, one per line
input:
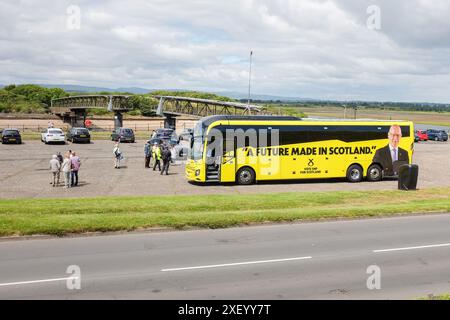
<point x="245" y="176"/>
<point x="374" y="173"/>
<point x="355" y="173"/>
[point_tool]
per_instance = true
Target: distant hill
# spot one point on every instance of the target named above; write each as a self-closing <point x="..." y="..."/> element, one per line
<point x="78" y="88"/>
<point x="261" y="97"/>
<point x="138" y="90"/>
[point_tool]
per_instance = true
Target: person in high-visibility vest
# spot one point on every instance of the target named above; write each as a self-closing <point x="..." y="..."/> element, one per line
<point x="156" y="153"/>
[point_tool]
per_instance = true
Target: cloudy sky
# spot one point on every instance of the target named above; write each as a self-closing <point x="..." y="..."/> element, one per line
<point x="326" y="49"/>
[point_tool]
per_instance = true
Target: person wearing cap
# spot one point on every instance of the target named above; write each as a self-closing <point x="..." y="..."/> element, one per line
<point x="156" y="153"/>
<point x="147" y="154"/>
<point x="55" y="167"/>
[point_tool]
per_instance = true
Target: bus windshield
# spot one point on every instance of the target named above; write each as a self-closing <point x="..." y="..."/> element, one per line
<point x="196" y="148"/>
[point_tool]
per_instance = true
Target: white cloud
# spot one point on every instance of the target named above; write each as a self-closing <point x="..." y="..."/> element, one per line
<point x="308" y="48"/>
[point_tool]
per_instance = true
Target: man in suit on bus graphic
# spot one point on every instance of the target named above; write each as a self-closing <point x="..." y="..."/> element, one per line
<point x="391" y="157"/>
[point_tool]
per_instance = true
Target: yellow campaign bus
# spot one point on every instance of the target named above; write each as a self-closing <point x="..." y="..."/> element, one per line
<point x="248" y="149"/>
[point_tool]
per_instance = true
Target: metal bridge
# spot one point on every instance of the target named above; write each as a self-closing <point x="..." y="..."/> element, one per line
<point x="172" y="106"/>
<point x="73" y="109"/>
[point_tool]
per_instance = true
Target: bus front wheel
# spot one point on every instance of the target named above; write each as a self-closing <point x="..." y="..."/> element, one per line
<point x="245" y="176"/>
<point x="355" y="173"/>
<point x="374" y="173"/>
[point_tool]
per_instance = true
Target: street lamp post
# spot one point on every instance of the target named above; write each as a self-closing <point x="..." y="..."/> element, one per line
<point x="249" y="79"/>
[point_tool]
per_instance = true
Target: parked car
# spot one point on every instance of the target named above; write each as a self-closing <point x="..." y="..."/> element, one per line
<point x="423" y="136"/>
<point x="437" y="135"/>
<point x="416" y="137"/>
<point x="79" y="135"/>
<point x="50" y="135"/>
<point x="123" y="134"/>
<point x="187" y="134"/>
<point x="11" y="136"/>
<point x="164" y="134"/>
<point x="181" y="151"/>
<point x="164" y="131"/>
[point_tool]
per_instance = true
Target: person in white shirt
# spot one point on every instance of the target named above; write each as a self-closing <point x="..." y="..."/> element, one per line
<point x="55" y="166"/>
<point x="66" y="168"/>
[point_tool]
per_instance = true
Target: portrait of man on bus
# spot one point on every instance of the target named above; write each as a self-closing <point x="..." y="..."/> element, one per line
<point x="391" y="157"/>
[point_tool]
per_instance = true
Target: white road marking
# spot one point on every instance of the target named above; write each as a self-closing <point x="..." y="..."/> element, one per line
<point x="36" y="281"/>
<point x="413" y="248"/>
<point x="236" y="264"/>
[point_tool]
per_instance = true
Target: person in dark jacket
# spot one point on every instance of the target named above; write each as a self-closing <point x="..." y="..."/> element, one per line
<point x="391" y="157"/>
<point x="166" y="156"/>
<point x="147" y="154"/>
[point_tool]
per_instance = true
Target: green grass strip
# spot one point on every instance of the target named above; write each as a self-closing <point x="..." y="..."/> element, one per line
<point x="63" y="216"/>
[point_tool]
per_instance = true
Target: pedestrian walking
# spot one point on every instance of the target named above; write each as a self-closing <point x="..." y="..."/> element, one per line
<point x="60" y="157"/>
<point x="166" y="155"/>
<point x="76" y="163"/>
<point x="156" y="153"/>
<point x="117" y="156"/>
<point x="55" y="166"/>
<point x="147" y="154"/>
<point x="66" y="169"/>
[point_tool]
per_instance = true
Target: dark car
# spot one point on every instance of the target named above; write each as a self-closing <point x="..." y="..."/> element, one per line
<point x="416" y="137"/>
<point x="187" y="134"/>
<point x="123" y="134"/>
<point x="11" y="136"/>
<point x="437" y="135"/>
<point x="165" y="134"/>
<point x="79" y="135"/>
<point x="164" y="131"/>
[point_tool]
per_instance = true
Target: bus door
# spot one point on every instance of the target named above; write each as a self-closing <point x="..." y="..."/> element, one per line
<point x="212" y="162"/>
<point x="228" y="164"/>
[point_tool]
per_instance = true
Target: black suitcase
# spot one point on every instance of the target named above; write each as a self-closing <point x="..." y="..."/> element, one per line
<point x="407" y="177"/>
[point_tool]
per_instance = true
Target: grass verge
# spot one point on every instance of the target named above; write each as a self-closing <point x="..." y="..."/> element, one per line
<point x="438" y="297"/>
<point x="63" y="216"/>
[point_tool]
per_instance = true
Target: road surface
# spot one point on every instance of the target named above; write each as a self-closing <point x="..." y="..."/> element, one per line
<point x="24" y="170"/>
<point x="327" y="260"/>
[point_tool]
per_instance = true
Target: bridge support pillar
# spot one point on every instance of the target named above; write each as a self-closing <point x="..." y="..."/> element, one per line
<point x="170" y="122"/>
<point x="78" y="118"/>
<point x="118" y="120"/>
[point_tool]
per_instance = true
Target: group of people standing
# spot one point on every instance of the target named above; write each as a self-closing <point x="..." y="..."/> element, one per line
<point x="159" y="152"/>
<point x="69" y="165"/>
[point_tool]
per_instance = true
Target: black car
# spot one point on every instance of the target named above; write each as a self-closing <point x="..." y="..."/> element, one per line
<point x="165" y="134"/>
<point x="187" y="134"/>
<point x="123" y="134"/>
<point x="437" y="135"/>
<point x="79" y="135"/>
<point x="11" y="136"/>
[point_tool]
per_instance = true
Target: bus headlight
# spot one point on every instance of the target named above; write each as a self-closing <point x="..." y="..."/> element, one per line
<point x="197" y="173"/>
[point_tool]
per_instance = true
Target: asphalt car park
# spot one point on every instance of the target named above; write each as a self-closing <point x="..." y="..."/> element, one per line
<point x="25" y="170"/>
